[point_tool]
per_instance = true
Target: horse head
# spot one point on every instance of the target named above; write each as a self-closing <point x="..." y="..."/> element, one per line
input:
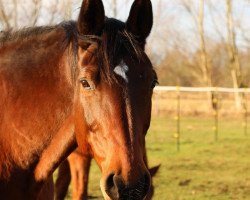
<point x="114" y="85"/>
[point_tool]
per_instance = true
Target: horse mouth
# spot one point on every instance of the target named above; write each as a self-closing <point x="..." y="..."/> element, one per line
<point x="136" y="193"/>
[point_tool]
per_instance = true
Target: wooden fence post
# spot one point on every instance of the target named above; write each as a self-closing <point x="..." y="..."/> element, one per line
<point x="178" y="131"/>
<point x="245" y="112"/>
<point x="215" y="105"/>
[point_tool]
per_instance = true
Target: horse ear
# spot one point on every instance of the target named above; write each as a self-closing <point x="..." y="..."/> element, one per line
<point x="154" y="170"/>
<point x="91" y="17"/>
<point x="140" y="20"/>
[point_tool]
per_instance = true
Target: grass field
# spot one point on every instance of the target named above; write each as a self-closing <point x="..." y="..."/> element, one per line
<point x="203" y="169"/>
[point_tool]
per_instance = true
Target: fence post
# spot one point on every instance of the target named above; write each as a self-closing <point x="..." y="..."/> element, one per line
<point x="215" y="106"/>
<point x="245" y="112"/>
<point x="178" y="131"/>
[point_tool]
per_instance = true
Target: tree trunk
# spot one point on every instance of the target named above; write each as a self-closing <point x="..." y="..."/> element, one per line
<point x="203" y="53"/>
<point x="204" y="61"/>
<point x="4" y="18"/>
<point x="114" y="3"/>
<point x="232" y="50"/>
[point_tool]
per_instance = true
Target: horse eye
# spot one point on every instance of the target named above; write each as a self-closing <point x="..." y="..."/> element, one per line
<point x="141" y="76"/>
<point x="85" y="84"/>
<point x="154" y="83"/>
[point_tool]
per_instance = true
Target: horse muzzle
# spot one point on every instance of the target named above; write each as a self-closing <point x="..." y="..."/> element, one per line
<point x="117" y="189"/>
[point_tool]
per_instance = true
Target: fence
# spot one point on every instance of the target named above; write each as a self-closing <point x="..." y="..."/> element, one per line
<point x="212" y="101"/>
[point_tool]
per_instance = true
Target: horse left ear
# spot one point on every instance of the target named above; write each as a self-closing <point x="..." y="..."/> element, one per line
<point x="140" y="20"/>
<point x="91" y="17"/>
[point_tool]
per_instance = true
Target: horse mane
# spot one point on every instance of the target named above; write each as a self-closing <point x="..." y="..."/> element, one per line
<point x="10" y="35"/>
<point x="15" y="35"/>
<point x="114" y="42"/>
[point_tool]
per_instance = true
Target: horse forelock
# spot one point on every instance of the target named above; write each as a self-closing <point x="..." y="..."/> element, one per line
<point x="114" y="43"/>
<point x="117" y="43"/>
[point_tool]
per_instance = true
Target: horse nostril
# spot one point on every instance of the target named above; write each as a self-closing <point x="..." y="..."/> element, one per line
<point x="110" y="181"/>
<point x="110" y="187"/>
<point x="114" y="186"/>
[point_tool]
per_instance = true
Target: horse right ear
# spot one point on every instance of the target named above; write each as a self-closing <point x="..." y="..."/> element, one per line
<point x="140" y="20"/>
<point x="91" y="17"/>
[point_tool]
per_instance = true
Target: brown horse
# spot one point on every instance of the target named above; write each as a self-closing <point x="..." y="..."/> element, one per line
<point x="76" y="170"/>
<point x="58" y="83"/>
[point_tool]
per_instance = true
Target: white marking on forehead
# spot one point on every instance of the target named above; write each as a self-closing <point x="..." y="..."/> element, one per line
<point x="121" y="70"/>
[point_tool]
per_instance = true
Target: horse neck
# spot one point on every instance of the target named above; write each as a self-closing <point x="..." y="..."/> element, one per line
<point x="36" y="73"/>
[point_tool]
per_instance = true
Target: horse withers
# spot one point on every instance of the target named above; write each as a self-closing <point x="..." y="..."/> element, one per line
<point x="86" y="83"/>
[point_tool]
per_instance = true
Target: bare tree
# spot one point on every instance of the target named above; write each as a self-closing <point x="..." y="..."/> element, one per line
<point x="66" y="9"/>
<point x="15" y="12"/>
<point x="206" y="71"/>
<point x="232" y="50"/>
<point x="198" y="18"/>
<point x="18" y="13"/>
<point x="35" y="11"/>
<point x="53" y="9"/>
<point x="114" y="7"/>
<point x="212" y="9"/>
<point x="4" y="17"/>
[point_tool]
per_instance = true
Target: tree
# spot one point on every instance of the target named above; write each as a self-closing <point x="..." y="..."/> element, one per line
<point x="198" y="18"/>
<point x="206" y="71"/>
<point x="19" y="13"/>
<point x="234" y="62"/>
<point x="4" y="17"/>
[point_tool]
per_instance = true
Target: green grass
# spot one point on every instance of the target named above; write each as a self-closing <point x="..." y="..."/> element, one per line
<point x="204" y="168"/>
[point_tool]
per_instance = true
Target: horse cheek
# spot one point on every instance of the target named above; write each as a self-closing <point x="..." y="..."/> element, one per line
<point x="81" y="129"/>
